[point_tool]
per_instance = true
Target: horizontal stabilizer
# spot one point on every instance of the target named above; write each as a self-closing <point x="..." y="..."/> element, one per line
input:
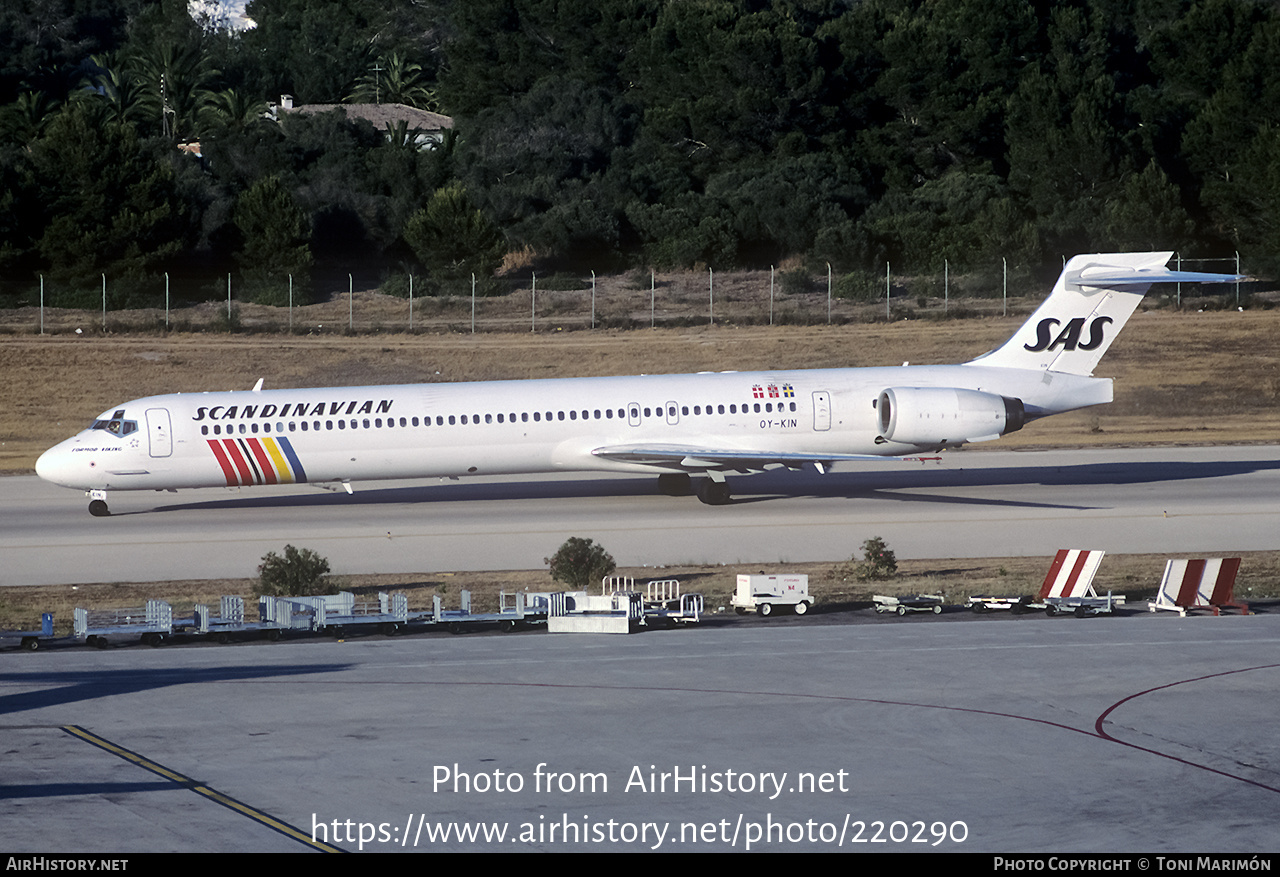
<point x="1145" y="278"/>
<point x="1094" y="296"/>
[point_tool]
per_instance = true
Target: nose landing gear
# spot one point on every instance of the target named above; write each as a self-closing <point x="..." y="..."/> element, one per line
<point x="98" y="504"/>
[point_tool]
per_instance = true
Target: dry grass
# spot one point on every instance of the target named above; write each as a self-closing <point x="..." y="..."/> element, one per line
<point x="1181" y="377"/>
<point x="833" y="585"/>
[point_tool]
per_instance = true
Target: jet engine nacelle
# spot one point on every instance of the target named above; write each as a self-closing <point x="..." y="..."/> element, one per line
<point x="946" y="415"/>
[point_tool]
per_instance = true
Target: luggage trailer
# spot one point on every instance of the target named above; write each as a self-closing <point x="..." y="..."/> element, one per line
<point x="154" y="623"/>
<point x="30" y="640"/>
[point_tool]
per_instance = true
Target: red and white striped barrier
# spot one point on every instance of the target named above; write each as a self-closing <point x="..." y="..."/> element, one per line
<point x="1199" y="584"/>
<point x="1071" y="574"/>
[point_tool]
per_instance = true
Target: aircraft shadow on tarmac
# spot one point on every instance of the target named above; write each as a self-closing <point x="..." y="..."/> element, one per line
<point x="66" y="688"/>
<point x="770" y="486"/>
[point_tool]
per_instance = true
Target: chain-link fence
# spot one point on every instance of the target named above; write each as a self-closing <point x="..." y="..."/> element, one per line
<point x="563" y="301"/>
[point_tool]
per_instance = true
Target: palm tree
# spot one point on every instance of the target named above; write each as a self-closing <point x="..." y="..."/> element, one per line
<point x="114" y="85"/>
<point x="395" y="80"/>
<point x="231" y="108"/>
<point x="25" y="119"/>
<point x="175" y="84"/>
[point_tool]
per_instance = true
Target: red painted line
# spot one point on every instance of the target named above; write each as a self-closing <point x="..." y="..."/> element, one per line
<point x="264" y="462"/>
<point x="1097" y="725"/>
<point x="1097" y="733"/>
<point x="233" y="451"/>
<point x="227" y="469"/>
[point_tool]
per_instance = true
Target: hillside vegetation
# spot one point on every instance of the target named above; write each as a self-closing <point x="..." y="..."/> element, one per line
<point x="622" y="133"/>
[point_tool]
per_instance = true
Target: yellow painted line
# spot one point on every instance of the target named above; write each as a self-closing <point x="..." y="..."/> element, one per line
<point x="201" y="789"/>
<point x="283" y="471"/>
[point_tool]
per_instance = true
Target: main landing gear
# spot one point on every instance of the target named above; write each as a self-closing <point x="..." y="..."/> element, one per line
<point x="712" y="490"/>
<point x="98" y="504"/>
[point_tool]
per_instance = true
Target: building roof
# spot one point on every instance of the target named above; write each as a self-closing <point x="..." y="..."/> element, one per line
<point x="380" y="115"/>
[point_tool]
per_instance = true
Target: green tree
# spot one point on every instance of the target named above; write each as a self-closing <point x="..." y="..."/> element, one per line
<point x="316" y="50"/>
<point x="110" y="204"/>
<point x="541" y="166"/>
<point x="452" y="239"/>
<point x="26" y="118"/>
<point x="274" y="234"/>
<point x="878" y="561"/>
<point x="579" y="563"/>
<point x="395" y="80"/>
<point x="299" y="573"/>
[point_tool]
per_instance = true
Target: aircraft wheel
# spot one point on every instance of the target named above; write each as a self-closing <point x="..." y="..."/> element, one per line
<point x="675" y="484"/>
<point x="802" y="608"/>
<point x="98" y="508"/>
<point x="714" y="492"/>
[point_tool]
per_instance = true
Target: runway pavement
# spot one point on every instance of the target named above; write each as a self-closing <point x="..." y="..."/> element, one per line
<point x="971" y="504"/>
<point x="1139" y="733"/>
<point x="1133" y="734"/>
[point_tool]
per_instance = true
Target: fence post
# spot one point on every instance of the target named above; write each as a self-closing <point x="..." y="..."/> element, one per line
<point x="593" y="299"/>
<point x="228" y="301"/>
<point x="351" y="306"/>
<point x="711" y="292"/>
<point x="533" y="301"/>
<point x="1005" y="262"/>
<point x="828" y="293"/>
<point x="770" y="295"/>
<point x="473" y="303"/>
<point x="41" y="304"/>
<point x="410" y="302"/>
<point x="166" y="301"/>
<point x="887" y="314"/>
<point x="290" y="304"/>
<point x="104" y="302"/>
<point x="946" y="285"/>
<point x="653" y="286"/>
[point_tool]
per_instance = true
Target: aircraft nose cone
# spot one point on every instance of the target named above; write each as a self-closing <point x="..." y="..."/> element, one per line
<point x="54" y="466"/>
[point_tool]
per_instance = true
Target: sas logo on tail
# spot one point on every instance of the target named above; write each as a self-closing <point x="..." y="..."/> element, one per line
<point x="1069" y="337"/>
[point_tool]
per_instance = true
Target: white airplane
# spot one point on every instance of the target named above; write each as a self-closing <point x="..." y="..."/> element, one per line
<point x="675" y="425"/>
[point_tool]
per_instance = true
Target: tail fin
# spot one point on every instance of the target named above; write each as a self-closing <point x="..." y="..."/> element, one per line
<point x="1094" y="296"/>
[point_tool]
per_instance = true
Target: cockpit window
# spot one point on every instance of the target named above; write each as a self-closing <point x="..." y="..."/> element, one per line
<point x="116" y="424"/>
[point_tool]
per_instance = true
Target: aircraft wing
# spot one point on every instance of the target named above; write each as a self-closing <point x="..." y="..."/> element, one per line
<point x="698" y="459"/>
